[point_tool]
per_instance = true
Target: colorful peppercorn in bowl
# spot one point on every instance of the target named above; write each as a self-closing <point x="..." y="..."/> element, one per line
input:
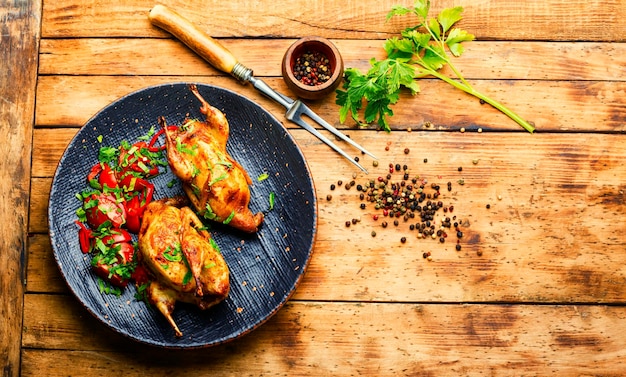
<point x="312" y="67"/>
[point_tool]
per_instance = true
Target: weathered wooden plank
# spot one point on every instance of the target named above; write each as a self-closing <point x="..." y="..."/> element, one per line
<point x="481" y="60"/>
<point x="332" y="338"/>
<point x="554" y="232"/>
<point x="71" y="101"/>
<point x="38" y="216"/>
<point x="578" y="19"/>
<point x="42" y="273"/>
<point x="19" y="39"/>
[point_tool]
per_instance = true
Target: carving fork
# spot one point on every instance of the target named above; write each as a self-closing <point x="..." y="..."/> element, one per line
<point x="219" y="57"/>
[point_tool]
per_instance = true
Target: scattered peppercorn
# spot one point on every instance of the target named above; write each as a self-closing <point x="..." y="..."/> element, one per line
<point x="406" y="150"/>
<point x="488" y="206"/>
<point x="347" y="224"/>
<point x="332" y="186"/>
<point x="417" y="201"/>
<point x="329" y="197"/>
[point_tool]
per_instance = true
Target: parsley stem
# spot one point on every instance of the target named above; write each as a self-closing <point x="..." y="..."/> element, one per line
<point x="469" y="90"/>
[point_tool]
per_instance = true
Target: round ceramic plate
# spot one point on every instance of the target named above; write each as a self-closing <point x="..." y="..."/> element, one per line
<point x="265" y="267"/>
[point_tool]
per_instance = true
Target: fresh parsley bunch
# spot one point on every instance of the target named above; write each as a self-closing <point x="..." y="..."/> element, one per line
<point x="421" y="51"/>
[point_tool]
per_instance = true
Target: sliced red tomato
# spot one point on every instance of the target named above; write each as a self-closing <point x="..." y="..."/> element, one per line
<point x="93" y="173"/>
<point x="133" y="160"/>
<point x="137" y="204"/>
<point x="107" y="177"/>
<point x="102" y="207"/>
<point x="107" y="272"/>
<point x="116" y="235"/>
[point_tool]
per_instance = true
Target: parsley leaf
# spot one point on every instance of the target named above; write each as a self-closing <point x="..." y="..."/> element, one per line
<point x="420" y="51"/>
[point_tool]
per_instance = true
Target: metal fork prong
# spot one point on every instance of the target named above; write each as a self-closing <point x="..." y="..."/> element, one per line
<point x="319" y="120"/>
<point x="302" y="123"/>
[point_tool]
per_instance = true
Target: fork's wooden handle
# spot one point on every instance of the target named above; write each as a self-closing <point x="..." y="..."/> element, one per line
<point x="205" y="46"/>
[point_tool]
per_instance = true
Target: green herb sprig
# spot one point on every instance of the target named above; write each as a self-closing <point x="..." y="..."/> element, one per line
<point x="422" y="51"/>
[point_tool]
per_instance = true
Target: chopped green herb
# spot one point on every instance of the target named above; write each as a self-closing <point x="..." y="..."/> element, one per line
<point x="82" y="215"/>
<point x="195" y="171"/>
<point x="141" y="294"/>
<point x="172" y="183"/>
<point x="263" y="177"/>
<point x="100" y="137"/>
<point x="209" y="214"/>
<point x="272" y="199"/>
<point x="215" y="246"/>
<point x="184" y="148"/>
<point x="224" y="160"/>
<point x="218" y="179"/>
<point x="173" y="254"/>
<point x="188" y="275"/>
<point x="420" y="52"/>
<point x="107" y="154"/>
<point x="148" y="135"/>
<point x="229" y="218"/>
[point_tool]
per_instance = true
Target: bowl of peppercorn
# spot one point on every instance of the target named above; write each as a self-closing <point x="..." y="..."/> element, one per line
<point x="312" y="67"/>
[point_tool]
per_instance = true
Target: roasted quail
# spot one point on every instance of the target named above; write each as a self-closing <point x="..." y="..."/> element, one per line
<point x="183" y="263"/>
<point x="217" y="186"/>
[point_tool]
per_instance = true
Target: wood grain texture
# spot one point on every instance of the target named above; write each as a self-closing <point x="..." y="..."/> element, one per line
<point x="504" y="20"/>
<point x="537" y="287"/>
<point x="348" y="338"/>
<point x="492" y="60"/>
<point x="554" y="226"/>
<point x="553" y="106"/>
<point x="19" y="37"/>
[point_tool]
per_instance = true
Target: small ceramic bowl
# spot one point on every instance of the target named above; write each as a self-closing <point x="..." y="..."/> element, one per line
<point x="317" y="46"/>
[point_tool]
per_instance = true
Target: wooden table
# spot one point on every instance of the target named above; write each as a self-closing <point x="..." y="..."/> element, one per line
<point x="538" y="287"/>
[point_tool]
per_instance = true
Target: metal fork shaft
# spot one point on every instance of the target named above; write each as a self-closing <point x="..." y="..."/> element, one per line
<point x="299" y="121"/>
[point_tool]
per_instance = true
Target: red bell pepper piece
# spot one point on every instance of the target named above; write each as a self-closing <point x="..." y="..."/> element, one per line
<point x="85" y="236"/>
<point x="137" y="204"/>
<point x="156" y="136"/>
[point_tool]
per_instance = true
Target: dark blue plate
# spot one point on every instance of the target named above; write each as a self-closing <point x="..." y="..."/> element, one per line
<point x="265" y="268"/>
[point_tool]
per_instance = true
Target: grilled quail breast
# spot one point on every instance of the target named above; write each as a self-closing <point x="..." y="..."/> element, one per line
<point x="216" y="184"/>
<point x="182" y="261"/>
